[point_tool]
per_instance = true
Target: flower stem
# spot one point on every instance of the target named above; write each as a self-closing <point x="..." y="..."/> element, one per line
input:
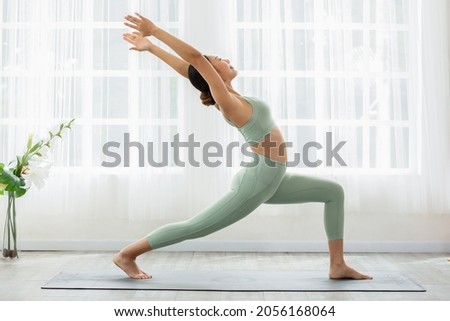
<point x="9" y="219"/>
<point x="14" y="225"/>
<point x="10" y="248"/>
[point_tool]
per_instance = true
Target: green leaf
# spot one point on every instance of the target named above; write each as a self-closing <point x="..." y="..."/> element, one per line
<point x="2" y="188"/>
<point x="10" y="179"/>
<point x="20" y="191"/>
<point x="35" y="147"/>
<point x="19" y="164"/>
<point x="30" y="141"/>
<point x="3" y="182"/>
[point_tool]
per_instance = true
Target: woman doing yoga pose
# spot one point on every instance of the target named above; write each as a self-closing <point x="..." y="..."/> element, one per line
<point x="266" y="181"/>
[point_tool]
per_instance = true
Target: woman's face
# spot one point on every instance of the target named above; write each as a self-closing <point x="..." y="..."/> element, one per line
<point x="223" y="68"/>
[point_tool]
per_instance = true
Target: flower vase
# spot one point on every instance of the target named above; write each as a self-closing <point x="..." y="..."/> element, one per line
<point x="10" y="231"/>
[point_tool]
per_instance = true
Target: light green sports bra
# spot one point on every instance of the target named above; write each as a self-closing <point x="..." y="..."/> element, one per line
<point x="259" y="124"/>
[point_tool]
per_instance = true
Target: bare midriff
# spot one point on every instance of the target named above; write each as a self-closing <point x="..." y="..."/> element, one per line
<point x="272" y="146"/>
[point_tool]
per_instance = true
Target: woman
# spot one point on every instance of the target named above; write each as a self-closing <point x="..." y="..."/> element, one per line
<point x="266" y="182"/>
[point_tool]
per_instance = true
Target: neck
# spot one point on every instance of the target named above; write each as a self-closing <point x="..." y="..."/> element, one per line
<point x="230" y="88"/>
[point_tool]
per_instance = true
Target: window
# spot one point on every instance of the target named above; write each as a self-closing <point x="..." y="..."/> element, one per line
<point x="69" y="60"/>
<point x="348" y="67"/>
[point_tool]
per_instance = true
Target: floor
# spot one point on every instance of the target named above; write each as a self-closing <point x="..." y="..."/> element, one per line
<point x="21" y="279"/>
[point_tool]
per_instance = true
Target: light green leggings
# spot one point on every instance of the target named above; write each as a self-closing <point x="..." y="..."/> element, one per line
<point x="266" y="182"/>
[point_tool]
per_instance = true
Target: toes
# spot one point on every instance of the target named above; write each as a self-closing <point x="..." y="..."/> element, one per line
<point x="144" y="276"/>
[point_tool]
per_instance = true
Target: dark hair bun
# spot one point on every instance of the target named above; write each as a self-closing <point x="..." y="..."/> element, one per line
<point x="200" y="83"/>
<point x="207" y="99"/>
<point x="197" y="79"/>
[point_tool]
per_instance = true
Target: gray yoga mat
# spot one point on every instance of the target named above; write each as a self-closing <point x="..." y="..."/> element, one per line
<point x="235" y="281"/>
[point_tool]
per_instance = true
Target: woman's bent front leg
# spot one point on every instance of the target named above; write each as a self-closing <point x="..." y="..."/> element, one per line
<point x="295" y="189"/>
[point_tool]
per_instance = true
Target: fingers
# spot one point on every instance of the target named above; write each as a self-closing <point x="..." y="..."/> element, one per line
<point x="131" y="25"/>
<point x="132" y="19"/>
<point x="135" y="35"/>
<point x="129" y="37"/>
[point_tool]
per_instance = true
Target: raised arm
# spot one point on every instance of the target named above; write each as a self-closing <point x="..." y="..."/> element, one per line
<point x="189" y="54"/>
<point x="143" y="44"/>
<point x="179" y="65"/>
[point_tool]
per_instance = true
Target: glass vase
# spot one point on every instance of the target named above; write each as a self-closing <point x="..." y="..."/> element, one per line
<point x="10" y="231"/>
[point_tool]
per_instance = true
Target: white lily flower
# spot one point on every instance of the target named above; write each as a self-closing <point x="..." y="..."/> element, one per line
<point x="36" y="173"/>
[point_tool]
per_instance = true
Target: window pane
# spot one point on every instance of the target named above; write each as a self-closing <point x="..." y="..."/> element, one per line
<point x="70" y="152"/>
<point x="399" y="104"/>
<point x="252" y="86"/>
<point x="380" y="147"/>
<point x="51" y="49"/>
<point x="389" y="11"/>
<point x="346" y="11"/>
<point x="18" y="106"/>
<point x="389" y="99"/>
<point x="4" y="157"/>
<point x="110" y="10"/>
<point x="250" y="10"/>
<point x="352" y="149"/>
<point x="154" y="105"/>
<point x="303" y="50"/>
<point x="68" y="97"/>
<point x="67" y="10"/>
<point x="399" y="147"/>
<point x="110" y="51"/>
<point x="343" y="50"/>
<point x="15" y="49"/>
<point x="66" y="47"/>
<point x="110" y="97"/>
<point x="5" y="91"/>
<point x="283" y="102"/>
<point x="303" y="106"/>
<point x="18" y="10"/>
<point x="250" y="54"/>
<point x="343" y="98"/>
<point x="389" y="49"/>
<point x="57" y="10"/>
<point x="167" y="10"/>
<point x="297" y="10"/>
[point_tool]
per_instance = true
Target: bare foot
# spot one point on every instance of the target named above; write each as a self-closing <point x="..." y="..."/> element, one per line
<point x="129" y="266"/>
<point x="343" y="271"/>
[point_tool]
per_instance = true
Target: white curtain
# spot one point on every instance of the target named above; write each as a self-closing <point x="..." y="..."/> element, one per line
<point x="373" y="73"/>
<point x="63" y="61"/>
